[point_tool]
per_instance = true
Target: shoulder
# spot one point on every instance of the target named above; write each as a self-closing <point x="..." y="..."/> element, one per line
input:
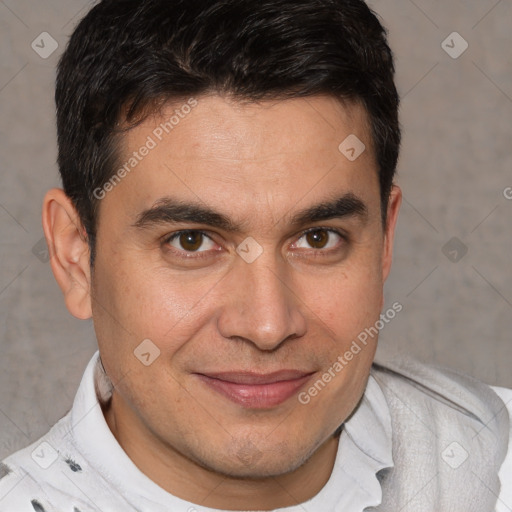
<point x="42" y="476"/>
<point x="504" y="503"/>
<point x="445" y="424"/>
<point x="20" y="492"/>
<point x="442" y="390"/>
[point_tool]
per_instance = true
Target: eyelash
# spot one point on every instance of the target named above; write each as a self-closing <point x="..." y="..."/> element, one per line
<point x="204" y="254"/>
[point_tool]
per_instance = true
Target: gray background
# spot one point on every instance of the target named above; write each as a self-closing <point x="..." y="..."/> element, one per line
<point x="455" y="167"/>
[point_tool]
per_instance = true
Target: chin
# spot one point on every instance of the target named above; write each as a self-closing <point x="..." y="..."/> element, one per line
<point x="248" y="462"/>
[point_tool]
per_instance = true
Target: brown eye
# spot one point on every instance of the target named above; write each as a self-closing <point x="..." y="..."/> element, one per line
<point x="317" y="239"/>
<point x="321" y="239"/>
<point x="191" y="240"/>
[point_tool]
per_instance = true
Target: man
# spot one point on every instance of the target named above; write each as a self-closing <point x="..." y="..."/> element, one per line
<point x="227" y="221"/>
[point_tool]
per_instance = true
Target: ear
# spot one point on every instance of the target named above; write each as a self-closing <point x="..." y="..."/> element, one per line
<point x="69" y="251"/>
<point x="395" y="200"/>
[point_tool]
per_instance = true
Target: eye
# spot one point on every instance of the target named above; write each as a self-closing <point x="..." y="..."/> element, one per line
<point x="319" y="238"/>
<point x="191" y="241"/>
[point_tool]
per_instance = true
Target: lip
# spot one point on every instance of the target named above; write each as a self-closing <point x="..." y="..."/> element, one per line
<point x="256" y="391"/>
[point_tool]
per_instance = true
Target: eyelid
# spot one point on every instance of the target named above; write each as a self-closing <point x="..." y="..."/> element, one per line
<point x="324" y="228"/>
<point x="167" y="238"/>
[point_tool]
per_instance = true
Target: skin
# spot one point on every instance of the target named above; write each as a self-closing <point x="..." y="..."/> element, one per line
<point x="299" y="305"/>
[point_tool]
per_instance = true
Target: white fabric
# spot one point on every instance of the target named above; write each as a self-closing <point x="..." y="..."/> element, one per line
<point x="88" y="470"/>
<point x="504" y="503"/>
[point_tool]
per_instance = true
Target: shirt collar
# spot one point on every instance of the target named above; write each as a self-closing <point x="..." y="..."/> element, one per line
<point x="370" y="426"/>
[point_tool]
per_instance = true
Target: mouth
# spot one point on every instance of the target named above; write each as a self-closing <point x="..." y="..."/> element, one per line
<point x="253" y="390"/>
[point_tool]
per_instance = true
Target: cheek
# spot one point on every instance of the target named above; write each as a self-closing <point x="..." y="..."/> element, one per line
<point x="136" y="303"/>
<point x="349" y="313"/>
<point x="348" y="300"/>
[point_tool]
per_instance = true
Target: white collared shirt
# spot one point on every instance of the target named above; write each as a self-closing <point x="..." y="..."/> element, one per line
<point x="79" y="466"/>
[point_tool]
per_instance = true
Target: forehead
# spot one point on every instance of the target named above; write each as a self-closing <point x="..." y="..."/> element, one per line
<point x="236" y="155"/>
<point x="225" y="127"/>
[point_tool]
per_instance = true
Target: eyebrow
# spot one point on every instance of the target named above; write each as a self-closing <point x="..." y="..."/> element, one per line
<point x="168" y="210"/>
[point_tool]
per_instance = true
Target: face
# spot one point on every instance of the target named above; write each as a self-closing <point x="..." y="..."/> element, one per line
<point x="248" y="251"/>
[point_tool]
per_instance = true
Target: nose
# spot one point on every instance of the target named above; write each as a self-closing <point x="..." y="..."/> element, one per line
<point x="261" y="306"/>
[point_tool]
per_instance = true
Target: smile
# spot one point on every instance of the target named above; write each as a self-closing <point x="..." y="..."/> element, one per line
<point x="255" y="391"/>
